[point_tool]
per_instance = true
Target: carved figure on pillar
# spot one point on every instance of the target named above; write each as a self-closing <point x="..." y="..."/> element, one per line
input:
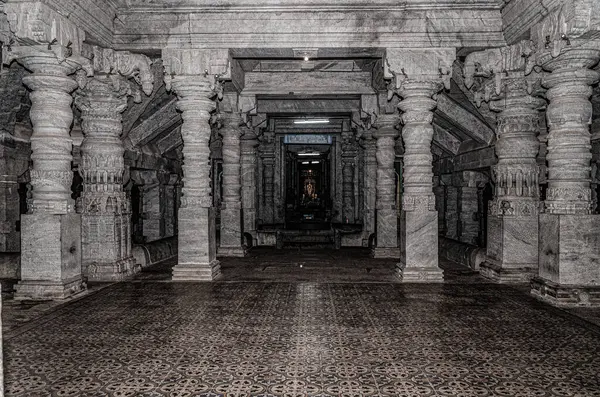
<point x="194" y="75"/>
<point x="103" y="202"/>
<point x="501" y="79"/>
<point x="231" y="211"/>
<point x="370" y="183"/>
<point x="568" y="273"/>
<point x="417" y="76"/>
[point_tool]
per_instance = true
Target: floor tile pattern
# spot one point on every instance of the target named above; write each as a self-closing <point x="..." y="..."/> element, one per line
<point x="231" y="338"/>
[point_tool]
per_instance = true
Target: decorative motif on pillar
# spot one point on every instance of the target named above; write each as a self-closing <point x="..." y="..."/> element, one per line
<point x="370" y="181"/>
<point x="417" y="76"/>
<point x="103" y="202"/>
<point x="194" y="75"/>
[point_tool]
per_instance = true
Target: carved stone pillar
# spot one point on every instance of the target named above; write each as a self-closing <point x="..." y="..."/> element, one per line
<point x="170" y="205"/>
<point x="387" y="216"/>
<point x="451" y="206"/>
<point x="105" y="209"/>
<point x="370" y="184"/>
<point x="248" y="160"/>
<point x="569" y="272"/>
<point x="191" y="75"/>
<point x="348" y="168"/>
<point x="231" y="209"/>
<point x="419" y="262"/>
<point x="468" y="205"/>
<point x="51" y="231"/>
<point x="268" y="173"/>
<point x="417" y="76"/>
<point x="152" y="203"/>
<point x="512" y="242"/>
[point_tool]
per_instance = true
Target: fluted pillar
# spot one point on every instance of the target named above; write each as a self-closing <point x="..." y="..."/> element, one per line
<point x="190" y="74"/>
<point x="231" y="207"/>
<point x="105" y="209"/>
<point x="419" y="258"/>
<point x="386" y="213"/>
<point x="569" y="272"/>
<point x="51" y="231"/>
<point x="248" y="160"/>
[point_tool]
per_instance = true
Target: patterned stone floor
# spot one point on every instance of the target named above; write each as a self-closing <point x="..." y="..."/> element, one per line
<point x="303" y="338"/>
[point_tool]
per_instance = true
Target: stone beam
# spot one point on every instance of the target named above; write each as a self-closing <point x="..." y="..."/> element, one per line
<point x="473" y="126"/>
<point x="164" y="118"/>
<point x="293" y="25"/>
<point x="170" y="141"/>
<point x="307" y="105"/>
<point x="445" y="140"/>
<point x="307" y="83"/>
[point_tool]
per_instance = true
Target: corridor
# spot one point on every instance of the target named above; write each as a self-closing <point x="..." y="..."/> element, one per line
<point x="342" y="329"/>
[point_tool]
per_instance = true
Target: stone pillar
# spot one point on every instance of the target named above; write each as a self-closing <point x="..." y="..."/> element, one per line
<point x="451" y="201"/>
<point x="191" y="74"/>
<point x="14" y="162"/>
<point x="268" y="172"/>
<point x="348" y="169"/>
<point x="387" y="216"/>
<point x="249" y="143"/>
<point x="105" y="209"/>
<point x="231" y="208"/>
<point x="170" y="205"/>
<point x="104" y="206"/>
<point x="512" y="242"/>
<point x="417" y="76"/>
<point x="152" y="203"/>
<point x="569" y="262"/>
<point x="468" y="205"/>
<point x="370" y="184"/>
<point x="51" y="231"/>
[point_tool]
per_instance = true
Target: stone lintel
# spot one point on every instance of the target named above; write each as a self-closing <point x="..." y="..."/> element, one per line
<point x="303" y="27"/>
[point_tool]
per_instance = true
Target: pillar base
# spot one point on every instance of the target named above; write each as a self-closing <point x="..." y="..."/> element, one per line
<point x="48" y="290"/>
<point x="419" y="274"/>
<point x="197" y="271"/>
<point x="565" y="295"/>
<point x="236" y="252"/>
<point x="504" y="275"/>
<point x="50" y="256"/>
<point x="385" y="252"/>
<point x="113" y="271"/>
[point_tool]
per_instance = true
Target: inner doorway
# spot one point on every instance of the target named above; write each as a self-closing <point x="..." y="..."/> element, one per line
<point x="308" y="195"/>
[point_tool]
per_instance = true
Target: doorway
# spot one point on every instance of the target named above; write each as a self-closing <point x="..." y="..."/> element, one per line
<point x="308" y="194"/>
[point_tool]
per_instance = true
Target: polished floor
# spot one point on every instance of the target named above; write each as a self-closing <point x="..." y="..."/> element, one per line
<point x="286" y="331"/>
